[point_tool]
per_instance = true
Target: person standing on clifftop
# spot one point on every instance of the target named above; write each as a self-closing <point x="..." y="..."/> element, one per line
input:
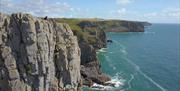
<point x="45" y="18"/>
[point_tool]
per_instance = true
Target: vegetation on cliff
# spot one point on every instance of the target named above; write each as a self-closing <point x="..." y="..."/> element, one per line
<point x="86" y="29"/>
<point x="82" y="33"/>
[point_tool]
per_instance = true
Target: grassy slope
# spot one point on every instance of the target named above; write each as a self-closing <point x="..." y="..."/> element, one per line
<point x="83" y="34"/>
<point x="88" y="33"/>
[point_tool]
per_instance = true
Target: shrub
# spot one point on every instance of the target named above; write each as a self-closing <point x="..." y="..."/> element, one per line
<point x="28" y="68"/>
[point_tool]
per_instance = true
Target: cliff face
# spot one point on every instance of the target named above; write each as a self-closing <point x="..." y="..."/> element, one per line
<point x="126" y="27"/>
<point x="122" y="26"/>
<point x="90" y="65"/>
<point x="37" y="55"/>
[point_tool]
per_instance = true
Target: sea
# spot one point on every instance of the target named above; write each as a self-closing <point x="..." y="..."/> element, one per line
<point x="142" y="61"/>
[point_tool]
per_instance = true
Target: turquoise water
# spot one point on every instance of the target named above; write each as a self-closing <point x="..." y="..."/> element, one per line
<point x="148" y="61"/>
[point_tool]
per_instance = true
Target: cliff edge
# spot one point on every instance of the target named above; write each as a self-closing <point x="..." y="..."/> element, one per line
<point x="37" y="55"/>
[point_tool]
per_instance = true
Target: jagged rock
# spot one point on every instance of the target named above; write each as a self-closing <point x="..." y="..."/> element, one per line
<point x="101" y="39"/>
<point x="110" y="41"/>
<point x="90" y="66"/>
<point x="37" y="55"/>
<point x="88" y="53"/>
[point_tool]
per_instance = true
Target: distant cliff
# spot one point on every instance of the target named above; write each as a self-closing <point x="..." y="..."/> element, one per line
<point x="37" y="55"/>
<point x="122" y="26"/>
<point x="105" y="25"/>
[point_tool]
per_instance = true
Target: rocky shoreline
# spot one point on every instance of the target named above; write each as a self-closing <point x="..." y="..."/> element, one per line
<point x="46" y="55"/>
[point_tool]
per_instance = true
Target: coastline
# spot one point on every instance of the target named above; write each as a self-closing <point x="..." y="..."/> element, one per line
<point x="115" y="83"/>
<point x="41" y="37"/>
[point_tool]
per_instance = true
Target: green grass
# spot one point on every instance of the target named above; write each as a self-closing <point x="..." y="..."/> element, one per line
<point x="88" y="34"/>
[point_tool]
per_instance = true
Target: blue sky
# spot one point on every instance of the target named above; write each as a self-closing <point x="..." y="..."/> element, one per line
<point x="156" y="11"/>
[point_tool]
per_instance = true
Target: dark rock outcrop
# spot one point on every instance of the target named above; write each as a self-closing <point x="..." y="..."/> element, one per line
<point x="37" y="55"/>
<point x="90" y="65"/>
<point x="110" y="41"/>
<point x="101" y="39"/>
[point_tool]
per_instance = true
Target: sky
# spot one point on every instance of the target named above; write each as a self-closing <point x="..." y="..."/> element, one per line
<point x="154" y="11"/>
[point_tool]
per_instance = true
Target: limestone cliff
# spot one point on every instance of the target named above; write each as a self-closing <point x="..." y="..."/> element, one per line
<point x="37" y="55"/>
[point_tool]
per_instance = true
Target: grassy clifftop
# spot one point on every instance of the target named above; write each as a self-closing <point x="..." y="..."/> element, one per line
<point x="87" y="29"/>
<point x="83" y="34"/>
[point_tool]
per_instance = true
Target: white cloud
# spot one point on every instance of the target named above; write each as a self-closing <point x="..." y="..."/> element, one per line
<point x="170" y="15"/>
<point x="121" y="11"/>
<point x="152" y="14"/>
<point x="166" y="13"/>
<point x="174" y="14"/>
<point x="170" y="12"/>
<point x="36" y="1"/>
<point x="123" y="2"/>
<point x="36" y="7"/>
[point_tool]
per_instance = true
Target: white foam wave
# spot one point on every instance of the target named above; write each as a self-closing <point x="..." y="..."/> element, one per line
<point x="111" y="64"/>
<point x="124" y="51"/>
<point x="114" y="83"/>
<point x="117" y="80"/>
<point x="151" y="80"/>
<point x="102" y="50"/>
<point x="121" y="47"/>
<point x="129" y="83"/>
<point x="149" y="32"/>
<point x="108" y="59"/>
<point x="142" y="73"/>
<point x="114" y="68"/>
<point x="111" y="52"/>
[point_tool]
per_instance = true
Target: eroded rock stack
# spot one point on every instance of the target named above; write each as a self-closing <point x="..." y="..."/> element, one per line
<point x="37" y="55"/>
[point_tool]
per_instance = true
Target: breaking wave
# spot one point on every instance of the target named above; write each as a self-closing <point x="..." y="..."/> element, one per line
<point x="116" y="82"/>
<point x="102" y="50"/>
